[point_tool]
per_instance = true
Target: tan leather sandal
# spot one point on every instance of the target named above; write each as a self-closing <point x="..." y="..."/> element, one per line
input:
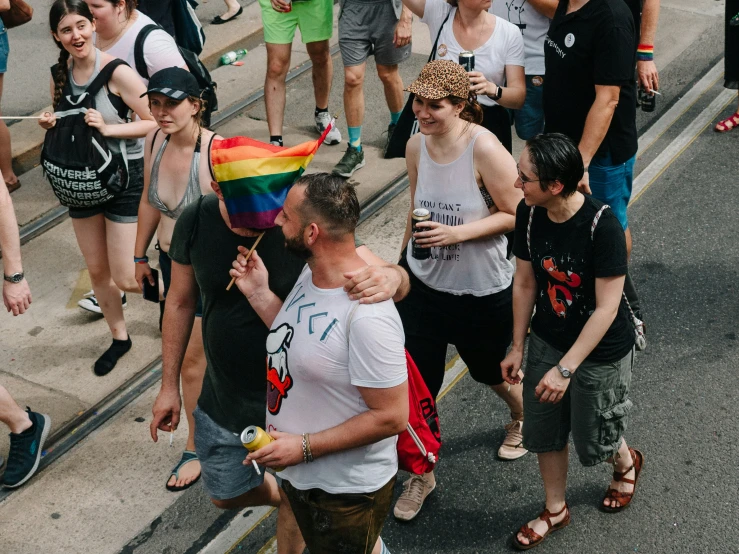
<point x="533" y="537"/>
<point x="624" y="498"/>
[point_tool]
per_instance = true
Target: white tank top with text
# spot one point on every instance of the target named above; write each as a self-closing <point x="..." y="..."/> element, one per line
<point x="450" y="192"/>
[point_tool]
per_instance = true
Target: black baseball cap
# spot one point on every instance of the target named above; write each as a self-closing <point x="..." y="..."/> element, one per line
<point x="175" y="82"/>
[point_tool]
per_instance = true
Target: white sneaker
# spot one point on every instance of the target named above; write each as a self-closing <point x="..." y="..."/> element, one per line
<point x="90" y="303"/>
<point x="322" y="121"/>
<point x="415" y="491"/>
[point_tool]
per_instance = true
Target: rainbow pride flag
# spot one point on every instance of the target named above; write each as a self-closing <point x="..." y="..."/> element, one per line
<point x="255" y="177"/>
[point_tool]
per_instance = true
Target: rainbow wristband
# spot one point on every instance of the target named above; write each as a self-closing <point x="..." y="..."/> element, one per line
<point x="645" y="53"/>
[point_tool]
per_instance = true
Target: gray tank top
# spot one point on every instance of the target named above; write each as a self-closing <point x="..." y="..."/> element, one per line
<point x="134" y="147"/>
<point x="192" y="192"/>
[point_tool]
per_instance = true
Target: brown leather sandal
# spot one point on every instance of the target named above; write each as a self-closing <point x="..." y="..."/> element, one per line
<point x="624" y="498"/>
<point x="15" y="186"/>
<point x="533" y="537"/>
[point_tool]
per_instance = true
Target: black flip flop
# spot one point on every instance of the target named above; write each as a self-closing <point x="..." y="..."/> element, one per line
<point x="218" y="20"/>
<point x="187" y="457"/>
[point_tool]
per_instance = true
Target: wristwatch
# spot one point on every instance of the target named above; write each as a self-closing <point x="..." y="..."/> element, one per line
<point x="15" y="278"/>
<point x="566" y="373"/>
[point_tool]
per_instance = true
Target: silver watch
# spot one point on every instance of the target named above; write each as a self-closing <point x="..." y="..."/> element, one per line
<point x="15" y="278"/>
<point x="566" y="373"/>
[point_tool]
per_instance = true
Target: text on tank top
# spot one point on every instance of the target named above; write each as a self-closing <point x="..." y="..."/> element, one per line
<point x="450" y="192"/>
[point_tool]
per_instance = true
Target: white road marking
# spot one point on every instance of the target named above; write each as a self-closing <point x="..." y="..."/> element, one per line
<point x="668" y="118"/>
<point x="673" y="150"/>
<point x="239" y="527"/>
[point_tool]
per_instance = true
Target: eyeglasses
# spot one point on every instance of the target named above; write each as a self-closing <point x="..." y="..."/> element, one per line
<point x="522" y="179"/>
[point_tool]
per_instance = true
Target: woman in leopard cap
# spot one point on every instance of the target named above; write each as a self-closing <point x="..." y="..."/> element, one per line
<point x="461" y="292"/>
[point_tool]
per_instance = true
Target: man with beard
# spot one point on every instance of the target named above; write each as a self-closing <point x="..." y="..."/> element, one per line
<point x="203" y="250"/>
<point x="339" y="461"/>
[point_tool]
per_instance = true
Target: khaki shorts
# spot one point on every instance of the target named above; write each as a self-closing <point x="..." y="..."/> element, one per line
<point x="594" y="408"/>
<point x="315" y="18"/>
<point x="340" y="523"/>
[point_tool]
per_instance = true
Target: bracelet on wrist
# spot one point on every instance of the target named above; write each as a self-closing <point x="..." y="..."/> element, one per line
<point x="307" y="454"/>
<point x="645" y="53"/>
<point x="141" y="260"/>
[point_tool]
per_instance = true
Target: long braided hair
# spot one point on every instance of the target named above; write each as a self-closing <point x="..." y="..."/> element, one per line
<point x="59" y="10"/>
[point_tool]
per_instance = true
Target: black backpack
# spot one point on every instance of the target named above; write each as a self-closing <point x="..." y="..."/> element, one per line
<point x="76" y="159"/>
<point x="194" y="65"/>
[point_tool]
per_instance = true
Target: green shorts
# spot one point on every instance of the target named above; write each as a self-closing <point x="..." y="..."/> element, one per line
<point x="595" y="406"/>
<point x="315" y="18"/>
<point x="338" y="523"/>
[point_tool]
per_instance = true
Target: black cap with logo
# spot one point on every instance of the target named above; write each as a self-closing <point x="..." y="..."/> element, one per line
<point x="175" y="82"/>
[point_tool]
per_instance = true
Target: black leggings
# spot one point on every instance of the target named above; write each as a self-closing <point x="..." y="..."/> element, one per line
<point x="481" y="328"/>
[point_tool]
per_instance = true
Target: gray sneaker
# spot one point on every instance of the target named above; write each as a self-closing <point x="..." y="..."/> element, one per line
<point x="322" y="121"/>
<point x="352" y="160"/>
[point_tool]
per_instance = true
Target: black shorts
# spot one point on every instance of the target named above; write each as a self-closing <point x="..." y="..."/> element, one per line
<point x="481" y="327"/>
<point x="124" y="208"/>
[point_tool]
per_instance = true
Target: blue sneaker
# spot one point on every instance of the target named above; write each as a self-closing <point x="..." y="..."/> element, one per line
<point x="25" y="450"/>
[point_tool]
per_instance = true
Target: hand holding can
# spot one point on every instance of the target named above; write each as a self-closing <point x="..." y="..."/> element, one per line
<point x="253" y="438"/>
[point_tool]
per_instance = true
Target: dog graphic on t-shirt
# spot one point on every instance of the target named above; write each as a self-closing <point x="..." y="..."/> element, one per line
<point x="279" y="380"/>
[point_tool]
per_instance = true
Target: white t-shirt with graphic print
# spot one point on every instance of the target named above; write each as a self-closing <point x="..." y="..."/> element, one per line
<point x="313" y="372"/>
<point x="534" y="27"/>
<point x="504" y="47"/>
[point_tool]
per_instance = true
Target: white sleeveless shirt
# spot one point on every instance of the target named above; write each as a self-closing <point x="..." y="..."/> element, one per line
<point x="450" y="192"/>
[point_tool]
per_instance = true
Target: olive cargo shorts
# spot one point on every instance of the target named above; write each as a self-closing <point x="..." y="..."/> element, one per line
<point x="594" y="407"/>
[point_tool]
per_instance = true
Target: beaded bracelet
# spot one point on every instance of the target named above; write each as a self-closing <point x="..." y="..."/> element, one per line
<point x="645" y="53"/>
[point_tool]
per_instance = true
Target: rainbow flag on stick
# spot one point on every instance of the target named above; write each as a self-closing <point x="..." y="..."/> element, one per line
<point x="255" y="176"/>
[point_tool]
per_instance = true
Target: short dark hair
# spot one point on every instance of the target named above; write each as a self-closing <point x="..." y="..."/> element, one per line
<point x="331" y="199"/>
<point x="555" y="157"/>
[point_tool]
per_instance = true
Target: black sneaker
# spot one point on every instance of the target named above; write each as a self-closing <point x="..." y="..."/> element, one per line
<point x="25" y="450"/>
<point x="390" y="130"/>
<point x="352" y="160"/>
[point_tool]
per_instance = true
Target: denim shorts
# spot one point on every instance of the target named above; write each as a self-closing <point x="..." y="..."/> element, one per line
<point x="4" y="48"/>
<point x="124" y="208"/>
<point x="338" y="523"/>
<point x="165" y="266"/>
<point x="221" y="455"/>
<point x="611" y="184"/>
<point x="594" y="408"/>
<point x="529" y="119"/>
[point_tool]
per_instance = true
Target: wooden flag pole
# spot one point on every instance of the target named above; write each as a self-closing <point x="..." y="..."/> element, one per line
<point x="233" y="279"/>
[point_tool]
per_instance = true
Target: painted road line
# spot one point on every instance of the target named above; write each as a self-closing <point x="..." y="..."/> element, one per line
<point x="673" y="151"/>
<point x="244" y="523"/>
<point x="680" y="108"/>
<point x="452" y="377"/>
<point x="270" y="547"/>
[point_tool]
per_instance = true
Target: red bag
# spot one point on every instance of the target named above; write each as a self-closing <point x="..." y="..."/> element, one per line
<point x="419" y="444"/>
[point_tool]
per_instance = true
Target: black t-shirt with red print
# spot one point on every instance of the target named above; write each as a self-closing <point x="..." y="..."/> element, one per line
<point x="566" y="262"/>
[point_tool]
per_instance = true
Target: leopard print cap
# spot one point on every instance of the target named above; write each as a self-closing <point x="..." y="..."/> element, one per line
<point x="439" y="79"/>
